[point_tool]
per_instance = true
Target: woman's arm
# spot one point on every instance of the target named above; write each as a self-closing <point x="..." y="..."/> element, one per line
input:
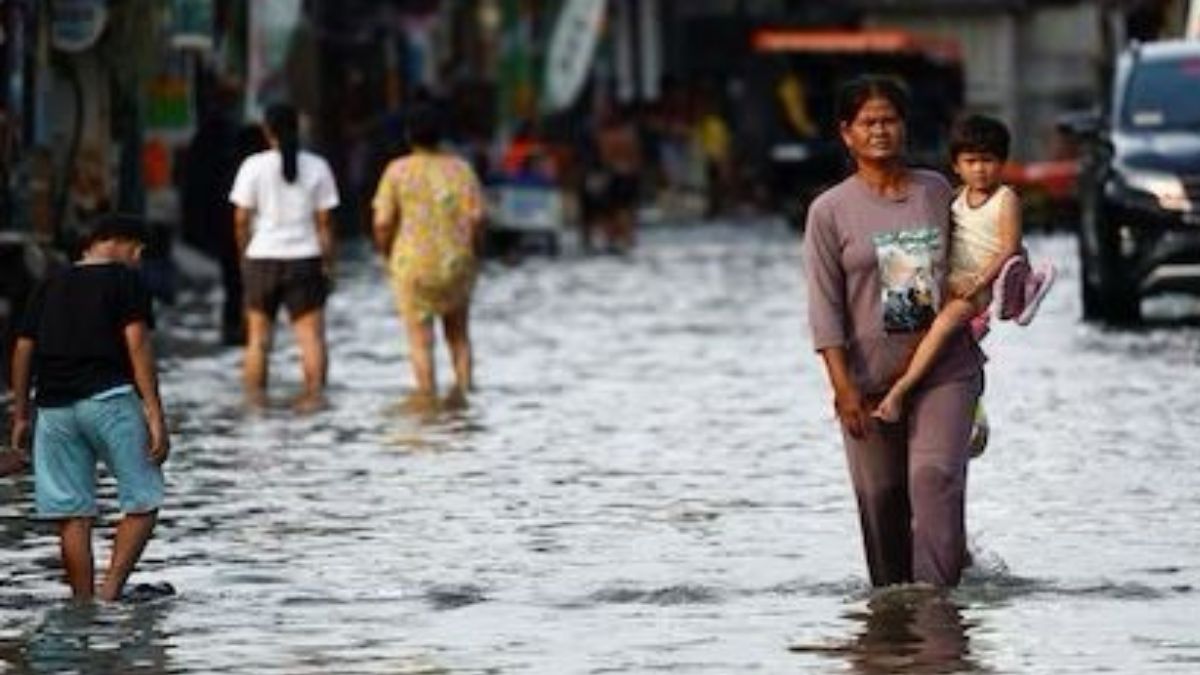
<point x="1009" y="229"/>
<point x="145" y="377"/>
<point x="848" y="402"/>
<point x="241" y="228"/>
<point x="385" y="225"/>
<point x="327" y="241"/>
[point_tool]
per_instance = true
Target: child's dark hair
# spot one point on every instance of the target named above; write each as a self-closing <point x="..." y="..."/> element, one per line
<point x="853" y="95"/>
<point x="424" y="123"/>
<point x="284" y="125"/>
<point x="113" y="227"/>
<point x="979" y="133"/>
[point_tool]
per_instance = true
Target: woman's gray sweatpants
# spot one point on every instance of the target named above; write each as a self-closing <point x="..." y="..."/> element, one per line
<point x="910" y="481"/>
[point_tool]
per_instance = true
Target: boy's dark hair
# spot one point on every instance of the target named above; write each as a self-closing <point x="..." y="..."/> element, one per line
<point x="113" y="227"/>
<point x="424" y="123"/>
<point x="853" y="95"/>
<point x="979" y="133"/>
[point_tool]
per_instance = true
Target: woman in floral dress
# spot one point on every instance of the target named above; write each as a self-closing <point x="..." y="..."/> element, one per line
<point x="428" y="225"/>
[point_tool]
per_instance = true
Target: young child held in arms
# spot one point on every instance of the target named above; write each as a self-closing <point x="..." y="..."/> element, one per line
<point x="986" y="254"/>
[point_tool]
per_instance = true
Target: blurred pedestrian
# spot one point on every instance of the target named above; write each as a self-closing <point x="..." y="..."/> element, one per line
<point x="716" y="147"/>
<point x="84" y="349"/>
<point x="875" y="259"/>
<point x="620" y="156"/>
<point x="985" y="251"/>
<point x="284" y="197"/>
<point x="214" y="154"/>
<point x="428" y="226"/>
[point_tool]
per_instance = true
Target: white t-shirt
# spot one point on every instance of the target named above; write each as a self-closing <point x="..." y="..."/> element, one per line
<point x="284" y="221"/>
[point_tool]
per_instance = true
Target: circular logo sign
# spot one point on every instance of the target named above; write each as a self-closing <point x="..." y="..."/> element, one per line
<point x="76" y="25"/>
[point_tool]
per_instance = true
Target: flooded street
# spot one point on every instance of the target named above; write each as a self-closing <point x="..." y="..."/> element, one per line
<point x="649" y="479"/>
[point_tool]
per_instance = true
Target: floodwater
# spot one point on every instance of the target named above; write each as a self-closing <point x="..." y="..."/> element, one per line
<point x="648" y="480"/>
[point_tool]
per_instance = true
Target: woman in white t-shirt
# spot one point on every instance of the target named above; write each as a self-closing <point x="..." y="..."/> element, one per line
<point x="283" y="198"/>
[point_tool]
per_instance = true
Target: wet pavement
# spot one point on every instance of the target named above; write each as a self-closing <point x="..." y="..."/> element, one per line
<point x="648" y="480"/>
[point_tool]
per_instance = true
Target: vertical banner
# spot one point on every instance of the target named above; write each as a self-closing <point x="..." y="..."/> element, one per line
<point x="272" y="24"/>
<point x="650" y="43"/>
<point x="192" y="24"/>
<point x="572" y="49"/>
<point x="517" y="95"/>
<point x="623" y="37"/>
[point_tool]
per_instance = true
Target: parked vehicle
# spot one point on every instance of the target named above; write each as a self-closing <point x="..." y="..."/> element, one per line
<point x="1139" y="186"/>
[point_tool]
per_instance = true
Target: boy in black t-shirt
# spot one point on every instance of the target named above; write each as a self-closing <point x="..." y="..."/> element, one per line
<point x="84" y="348"/>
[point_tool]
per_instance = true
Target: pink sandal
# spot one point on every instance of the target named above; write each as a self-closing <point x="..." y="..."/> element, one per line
<point x="1036" y="287"/>
<point x="1010" y="286"/>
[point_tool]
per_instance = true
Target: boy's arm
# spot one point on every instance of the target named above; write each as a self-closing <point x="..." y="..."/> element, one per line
<point x="22" y="370"/>
<point x="145" y="377"/>
<point x="1009" y="228"/>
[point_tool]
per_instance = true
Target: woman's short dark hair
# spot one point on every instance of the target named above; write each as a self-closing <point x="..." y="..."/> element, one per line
<point x="979" y="133"/>
<point x="424" y="123"/>
<point x="854" y="94"/>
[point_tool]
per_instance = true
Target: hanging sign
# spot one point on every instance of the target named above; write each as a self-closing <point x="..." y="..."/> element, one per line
<point x="572" y="48"/>
<point x="76" y="25"/>
<point x="192" y="24"/>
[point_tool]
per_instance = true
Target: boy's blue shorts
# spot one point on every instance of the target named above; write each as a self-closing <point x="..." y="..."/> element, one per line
<point x="68" y="440"/>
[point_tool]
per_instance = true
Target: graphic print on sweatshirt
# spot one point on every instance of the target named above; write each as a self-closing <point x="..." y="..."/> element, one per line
<point x="910" y="295"/>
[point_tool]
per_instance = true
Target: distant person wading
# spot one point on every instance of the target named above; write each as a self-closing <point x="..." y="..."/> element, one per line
<point x="428" y="226"/>
<point x="285" y="233"/>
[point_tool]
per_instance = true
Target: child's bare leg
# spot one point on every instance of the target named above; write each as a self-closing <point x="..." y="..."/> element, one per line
<point x="132" y="534"/>
<point x="314" y="360"/>
<point x="259" y="328"/>
<point x="956" y="313"/>
<point x="75" y="544"/>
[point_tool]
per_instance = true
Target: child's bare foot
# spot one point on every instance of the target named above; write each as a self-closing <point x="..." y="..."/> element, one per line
<point x="889" y="408"/>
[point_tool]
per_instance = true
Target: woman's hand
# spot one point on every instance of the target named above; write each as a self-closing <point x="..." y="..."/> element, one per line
<point x="852" y="411"/>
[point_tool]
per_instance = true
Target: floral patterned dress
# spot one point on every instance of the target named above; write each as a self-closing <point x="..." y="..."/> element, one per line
<point x="436" y="197"/>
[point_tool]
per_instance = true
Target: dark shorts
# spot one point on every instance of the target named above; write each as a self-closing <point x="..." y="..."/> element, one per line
<point x="299" y="285"/>
<point x="623" y="191"/>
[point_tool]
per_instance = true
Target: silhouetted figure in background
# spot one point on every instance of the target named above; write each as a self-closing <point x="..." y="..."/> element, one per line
<point x="214" y="155"/>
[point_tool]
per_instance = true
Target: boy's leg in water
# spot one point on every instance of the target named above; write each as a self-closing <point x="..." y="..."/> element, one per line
<point x="133" y="532"/>
<point x="957" y="312"/>
<point x="75" y="544"/>
<point x="259" y="327"/>
<point x="456" y="326"/>
<point x="420" y="352"/>
<point x="117" y="428"/>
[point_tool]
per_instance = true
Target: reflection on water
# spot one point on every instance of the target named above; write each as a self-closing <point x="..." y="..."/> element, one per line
<point x="98" y="639"/>
<point x="908" y="629"/>
<point x="648" y="480"/>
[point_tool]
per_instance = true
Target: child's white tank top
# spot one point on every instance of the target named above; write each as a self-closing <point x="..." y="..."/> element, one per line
<point x="975" y="237"/>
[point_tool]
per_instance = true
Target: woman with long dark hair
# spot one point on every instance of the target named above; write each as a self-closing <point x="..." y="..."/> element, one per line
<point x="283" y="198"/>
<point x="875" y="259"/>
